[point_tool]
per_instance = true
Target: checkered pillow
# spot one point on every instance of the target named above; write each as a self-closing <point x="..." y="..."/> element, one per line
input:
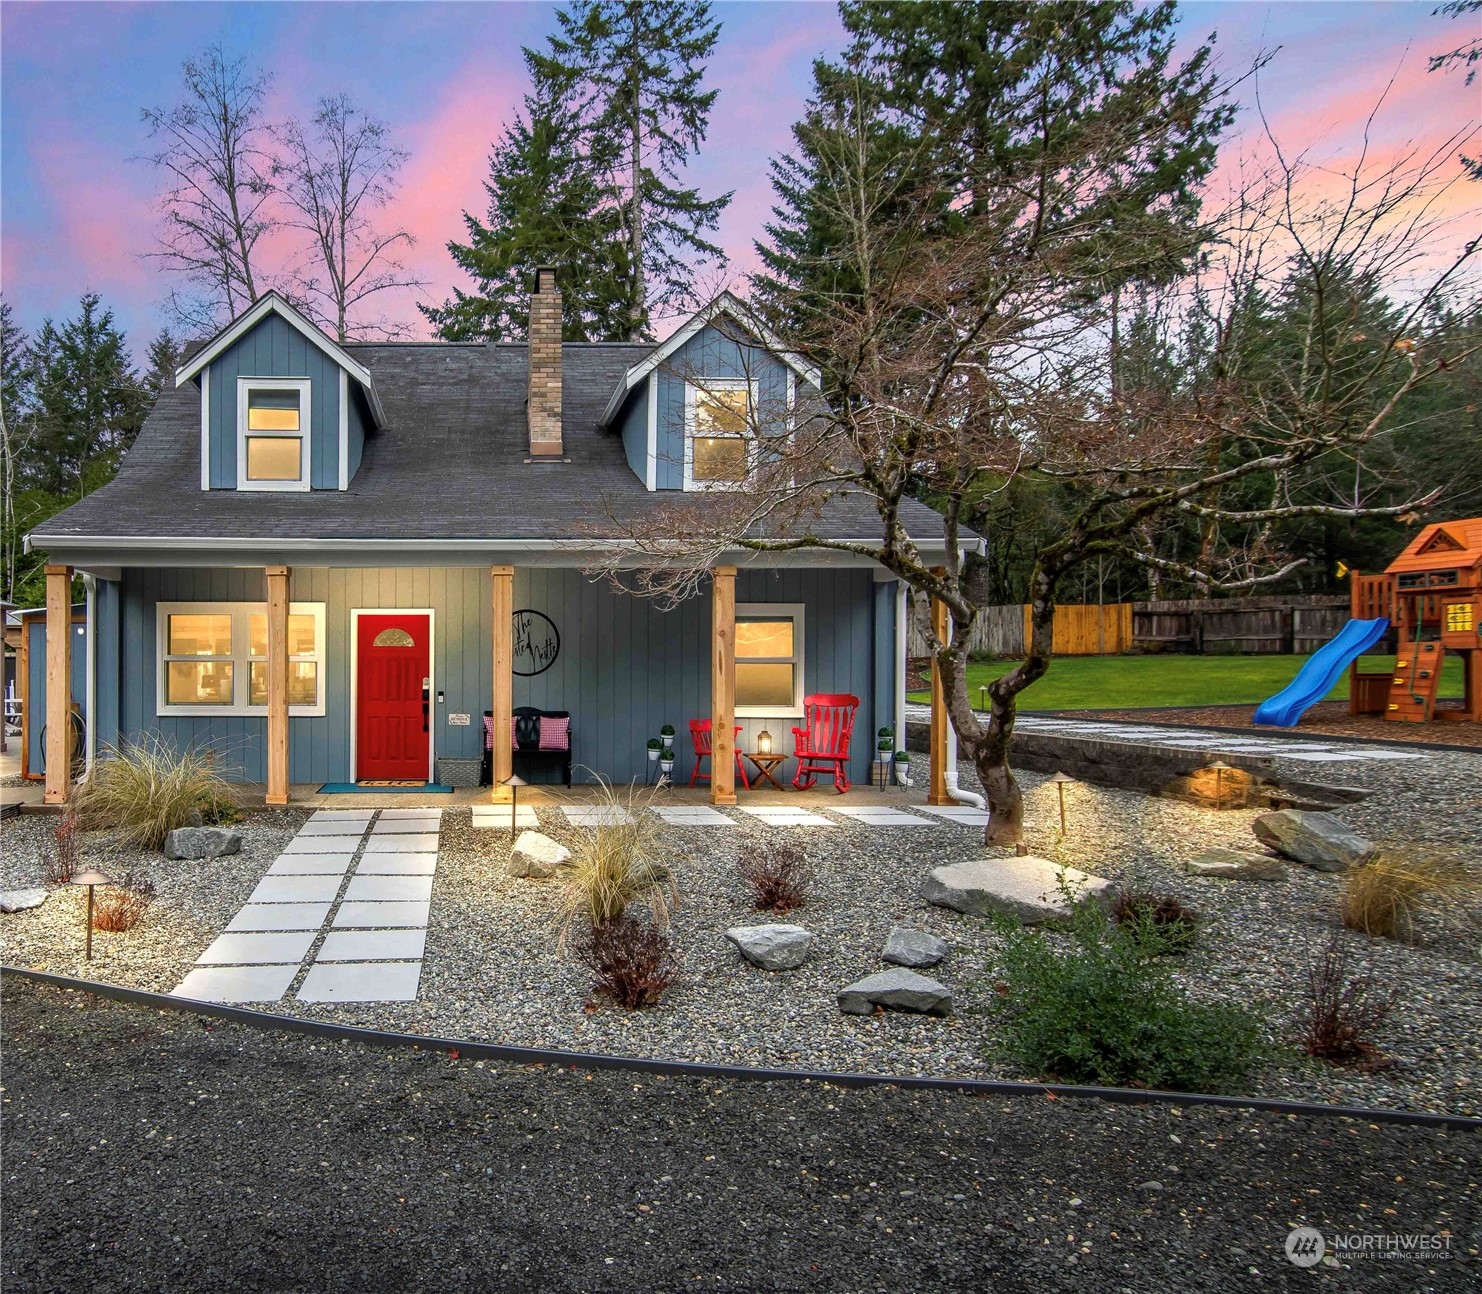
<point x="555" y="734"/>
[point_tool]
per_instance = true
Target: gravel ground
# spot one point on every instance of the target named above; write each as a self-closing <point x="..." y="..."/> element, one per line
<point x="493" y="972"/>
<point x="1325" y="719"/>
<point x="200" y="1155"/>
<point x="195" y="901"/>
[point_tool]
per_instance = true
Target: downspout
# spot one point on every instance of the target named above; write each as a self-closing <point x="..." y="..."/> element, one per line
<point x="899" y="700"/>
<point x="90" y="687"/>
<point x="962" y="797"/>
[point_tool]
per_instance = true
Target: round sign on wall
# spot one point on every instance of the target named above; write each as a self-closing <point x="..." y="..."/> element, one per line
<point x="537" y="643"/>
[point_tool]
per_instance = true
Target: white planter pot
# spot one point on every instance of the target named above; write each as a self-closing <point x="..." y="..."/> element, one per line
<point x="652" y="755"/>
<point x="903" y="775"/>
<point x="666" y="765"/>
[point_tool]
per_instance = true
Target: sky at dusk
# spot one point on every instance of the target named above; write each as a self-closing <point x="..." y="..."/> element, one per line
<point x="76" y="214"/>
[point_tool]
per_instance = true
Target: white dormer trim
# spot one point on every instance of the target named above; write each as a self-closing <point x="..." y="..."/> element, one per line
<point x="344" y="481"/>
<point x="206" y="430"/>
<point x="725" y="304"/>
<point x="651" y="459"/>
<point x="305" y="434"/>
<point x="271" y="303"/>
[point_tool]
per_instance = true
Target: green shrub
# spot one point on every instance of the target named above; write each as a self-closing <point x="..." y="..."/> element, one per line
<point x="1157" y="922"/>
<point x="147" y="789"/>
<point x="1104" y="1010"/>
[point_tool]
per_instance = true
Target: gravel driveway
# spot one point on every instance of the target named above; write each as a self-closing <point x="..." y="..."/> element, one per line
<point x="147" y="1150"/>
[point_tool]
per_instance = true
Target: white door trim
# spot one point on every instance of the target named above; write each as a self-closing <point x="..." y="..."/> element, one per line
<point x="355" y="614"/>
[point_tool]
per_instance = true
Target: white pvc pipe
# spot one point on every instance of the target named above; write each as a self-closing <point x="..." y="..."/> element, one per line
<point x="900" y="664"/>
<point x="962" y="797"/>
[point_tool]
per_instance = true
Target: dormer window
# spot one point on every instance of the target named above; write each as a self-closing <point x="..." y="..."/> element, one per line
<point x="273" y="440"/>
<point x="717" y="442"/>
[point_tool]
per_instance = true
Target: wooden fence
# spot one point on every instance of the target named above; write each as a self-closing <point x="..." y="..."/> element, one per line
<point x="1269" y="625"/>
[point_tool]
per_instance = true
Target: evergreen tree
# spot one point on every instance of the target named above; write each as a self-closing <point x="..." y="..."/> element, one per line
<point x="15" y="430"/>
<point x="635" y="68"/>
<point x="164" y="357"/>
<point x="545" y="208"/>
<point x="89" y="402"/>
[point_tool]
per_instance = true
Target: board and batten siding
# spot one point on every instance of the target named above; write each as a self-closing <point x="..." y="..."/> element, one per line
<point x="624" y="668"/>
<point x="710" y="353"/>
<point x="275" y="349"/>
<point x="635" y="428"/>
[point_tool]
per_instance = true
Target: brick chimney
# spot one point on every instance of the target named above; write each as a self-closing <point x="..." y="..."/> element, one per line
<point x="543" y="406"/>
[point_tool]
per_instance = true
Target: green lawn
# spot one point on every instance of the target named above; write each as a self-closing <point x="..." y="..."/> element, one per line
<point x="1114" y="682"/>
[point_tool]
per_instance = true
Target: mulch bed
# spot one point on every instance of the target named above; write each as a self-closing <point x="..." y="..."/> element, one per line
<point x="1325" y="719"/>
<point x="150" y="1150"/>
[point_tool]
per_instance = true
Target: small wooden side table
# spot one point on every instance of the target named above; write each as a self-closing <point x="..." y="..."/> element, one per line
<point x="764" y="766"/>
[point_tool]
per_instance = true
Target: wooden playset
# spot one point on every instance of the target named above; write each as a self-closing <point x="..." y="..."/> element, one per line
<point x="1432" y="596"/>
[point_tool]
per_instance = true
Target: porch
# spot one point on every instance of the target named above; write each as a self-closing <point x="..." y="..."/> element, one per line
<point x="270" y="663"/>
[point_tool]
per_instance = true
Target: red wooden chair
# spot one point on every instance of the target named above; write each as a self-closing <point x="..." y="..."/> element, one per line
<point x="823" y="746"/>
<point x="700" y="735"/>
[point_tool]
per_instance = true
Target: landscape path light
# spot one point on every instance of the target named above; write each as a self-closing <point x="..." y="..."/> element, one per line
<point x="514" y="781"/>
<point x="91" y="878"/>
<point x="1220" y="769"/>
<point x="1061" y="779"/>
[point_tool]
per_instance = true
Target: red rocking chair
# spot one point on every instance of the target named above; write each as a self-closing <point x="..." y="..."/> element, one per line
<point x="823" y="746"/>
<point x="700" y="735"/>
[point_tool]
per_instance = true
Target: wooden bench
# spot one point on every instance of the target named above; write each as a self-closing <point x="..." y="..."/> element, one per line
<point x="526" y="747"/>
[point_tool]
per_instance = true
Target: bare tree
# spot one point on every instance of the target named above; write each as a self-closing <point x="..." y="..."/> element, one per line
<point x="335" y="174"/>
<point x="212" y="147"/>
<point x="969" y="353"/>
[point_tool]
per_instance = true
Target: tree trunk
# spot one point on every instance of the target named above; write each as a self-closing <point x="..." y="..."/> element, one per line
<point x="1001" y="789"/>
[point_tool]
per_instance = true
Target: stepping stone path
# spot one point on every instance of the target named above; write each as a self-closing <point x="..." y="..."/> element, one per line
<point x="896" y="990"/>
<point x="491" y="817"/>
<point x="693" y="815"/>
<point x="964" y="815"/>
<point x="772" y="947"/>
<point x="596" y="815"/>
<point x="883" y="817"/>
<point x="370" y="925"/>
<point x="1316" y="840"/>
<point x="782" y="815"/>
<point x="908" y="947"/>
<point x="1031" y="889"/>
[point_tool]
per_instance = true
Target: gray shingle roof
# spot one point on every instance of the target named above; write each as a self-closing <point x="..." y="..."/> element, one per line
<point x="449" y="464"/>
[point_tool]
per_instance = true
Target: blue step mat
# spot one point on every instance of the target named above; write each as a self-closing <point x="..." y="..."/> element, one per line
<point x="373" y="788"/>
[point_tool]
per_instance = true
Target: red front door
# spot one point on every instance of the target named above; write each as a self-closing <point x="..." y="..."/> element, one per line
<point x="392" y="701"/>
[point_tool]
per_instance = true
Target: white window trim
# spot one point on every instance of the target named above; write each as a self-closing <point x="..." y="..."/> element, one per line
<point x="206" y="428"/>
<point x="304" y="387"/>
<point x="692" y="391"/>
<point x="795" y="612"/>
<point x="241" y="613"/>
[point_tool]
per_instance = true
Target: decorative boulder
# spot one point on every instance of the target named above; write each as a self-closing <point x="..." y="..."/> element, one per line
<point x="1233" y="865"/>
<point x="896" y="990"/>
<point x="774" y="947"/>
<point x="20" y="900"/>
<point x="536" y="855"/>
<point x="202" y="842"/>
<point x="1317" y="840"/>
<point x="1029" y="888"/>
<point x="908" y="947"/>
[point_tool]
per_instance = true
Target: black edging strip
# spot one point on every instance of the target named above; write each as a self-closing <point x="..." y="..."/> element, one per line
<point x="697" y="1069"/>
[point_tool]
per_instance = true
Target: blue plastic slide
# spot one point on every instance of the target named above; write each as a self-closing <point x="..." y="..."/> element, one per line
<point x="1316" y="678"/>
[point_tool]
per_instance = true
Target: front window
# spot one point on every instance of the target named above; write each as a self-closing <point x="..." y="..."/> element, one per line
<point x="718" y="434"/>
<point x="769" y="659"/>
<point x="273" y="442"/>
<point x="214" y="658"/>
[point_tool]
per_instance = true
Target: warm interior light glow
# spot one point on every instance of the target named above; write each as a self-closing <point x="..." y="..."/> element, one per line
<point x="274" y="458"/>
<point x="764" y="742"/>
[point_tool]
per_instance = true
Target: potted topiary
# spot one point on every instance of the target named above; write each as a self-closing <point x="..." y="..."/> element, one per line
<point x="903" y="768"/>
<point x="654" y="747"/>
<point x="666" y="760"/>
<point x="666" y="735"/>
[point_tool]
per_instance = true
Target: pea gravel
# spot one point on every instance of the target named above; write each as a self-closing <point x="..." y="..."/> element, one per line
<point x="203" y="1155"/>
<point x="492" y="969"/>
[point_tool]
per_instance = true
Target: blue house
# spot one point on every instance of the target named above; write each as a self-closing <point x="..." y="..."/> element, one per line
<point x="329" y="562"/>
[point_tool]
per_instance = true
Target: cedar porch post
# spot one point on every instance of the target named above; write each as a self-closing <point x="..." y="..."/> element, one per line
<point x="503" y="705"/>
<point x="940" y="728"/>
<point x="277" y="578"/>
<point x="58" y="684"/>
<point x="723" y="687"/>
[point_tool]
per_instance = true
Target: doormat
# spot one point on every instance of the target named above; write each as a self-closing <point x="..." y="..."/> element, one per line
<point x="377" y="786"/>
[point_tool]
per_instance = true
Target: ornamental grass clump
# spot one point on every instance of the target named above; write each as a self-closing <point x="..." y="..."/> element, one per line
<point x="1344" y="1007"/>
<point x="146" y="789"/>
<point x="616" y="865"/>
<point x="632" y="961"/>
<point x="1385" y="895"/>
<point x="122" y="906"/>
<point x="777" y="875"/>
<point x="1097" y="1005"/>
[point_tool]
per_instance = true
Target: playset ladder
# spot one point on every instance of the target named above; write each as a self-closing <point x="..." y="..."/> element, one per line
<point x="1416" y="683"/>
